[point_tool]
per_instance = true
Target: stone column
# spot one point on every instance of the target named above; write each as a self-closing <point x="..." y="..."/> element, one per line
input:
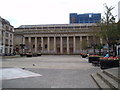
<point x="12" y="43"/>
<point x="55" y="44"/>
<point x="61" y="45"/>
<point x="87" y="40"/>
<point x="42" y="44"/>
<point x="3" y="42"/>
<point x="8" y="43"/>
<point x="48" y="48"/>
<point x="35" y="44"/>
<point x="23" y="40"/>
<point x="81" y="43"/>
<point x="29" y="44"/>
<point x="67" y="44"/>
<point x="74" y="44"/>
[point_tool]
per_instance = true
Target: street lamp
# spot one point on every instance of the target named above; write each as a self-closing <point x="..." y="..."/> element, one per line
<point x="22" y="48"/>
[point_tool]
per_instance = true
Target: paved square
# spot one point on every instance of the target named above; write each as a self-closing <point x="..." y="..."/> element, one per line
<point x="14" y="73"/>
<point x="58" y="71"/>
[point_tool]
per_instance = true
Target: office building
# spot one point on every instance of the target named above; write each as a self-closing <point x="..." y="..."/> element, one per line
<point x="85" y="18"/>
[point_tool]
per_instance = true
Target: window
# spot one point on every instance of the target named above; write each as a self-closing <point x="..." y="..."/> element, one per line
<point x="83" y="26"/>
<point x="90" y="15"/>
<point x="6" y="34"/>
<point x="11" y="29"/>
<point x="10" y="42"/>
<point x="33" y="46"/>
<point x="6" y="41"/>
<point x="7" y="28"/>
<point x="45" y="45"/>
<point x="10" y="35"/>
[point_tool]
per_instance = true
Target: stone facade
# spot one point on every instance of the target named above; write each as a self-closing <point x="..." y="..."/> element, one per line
<point x="53" y="38"/>
<point x="0" y="35"/>
<point x="6" y="36"/>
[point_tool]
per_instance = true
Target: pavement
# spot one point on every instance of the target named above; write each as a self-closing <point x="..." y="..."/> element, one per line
<point x="59" y="71"/>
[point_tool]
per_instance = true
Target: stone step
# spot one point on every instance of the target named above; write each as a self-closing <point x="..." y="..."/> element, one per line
<point x="111" y="73"/>
<point x="101" y="84"/>
<point x="108" y="80"/>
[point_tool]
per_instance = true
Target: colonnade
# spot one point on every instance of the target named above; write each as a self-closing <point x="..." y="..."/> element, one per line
<point x="72" y="44"/>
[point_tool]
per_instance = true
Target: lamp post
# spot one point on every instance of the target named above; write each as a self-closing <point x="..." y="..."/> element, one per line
<point x="22" y="48"/>
<point x="93" y="46"/>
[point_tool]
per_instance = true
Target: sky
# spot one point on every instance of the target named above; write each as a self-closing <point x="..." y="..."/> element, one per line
<point x="32" y="12"/>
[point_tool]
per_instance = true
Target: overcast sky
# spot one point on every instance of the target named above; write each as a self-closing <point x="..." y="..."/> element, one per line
<point x="28" y="12"/>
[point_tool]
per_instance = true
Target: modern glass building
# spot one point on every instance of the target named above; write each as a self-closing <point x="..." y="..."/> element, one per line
<point x="85" y="18"/>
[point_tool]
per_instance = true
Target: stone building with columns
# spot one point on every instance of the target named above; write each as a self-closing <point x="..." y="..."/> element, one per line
<point x="54" y="38"/>
<point x="6" y="37"/>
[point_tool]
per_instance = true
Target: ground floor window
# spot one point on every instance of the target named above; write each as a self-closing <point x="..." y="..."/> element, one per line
<point x="6" y="50"/>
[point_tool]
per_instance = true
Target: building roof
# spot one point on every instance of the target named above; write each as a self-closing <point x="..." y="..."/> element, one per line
<point x="55" y="25"/>
<point x="4" y="21"/>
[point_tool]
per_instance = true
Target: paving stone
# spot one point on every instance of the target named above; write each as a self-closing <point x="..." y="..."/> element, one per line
<point x="57" y="72"/>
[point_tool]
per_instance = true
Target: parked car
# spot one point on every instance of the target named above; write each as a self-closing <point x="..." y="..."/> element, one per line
<point x="29" y="54"/>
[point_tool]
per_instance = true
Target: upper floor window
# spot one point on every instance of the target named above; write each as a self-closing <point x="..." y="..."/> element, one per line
<point x="6" y="41"/>
<point x="10" y="35"/>
<point x="6" y="34"/>
<point x="7" y="28"/>
<point x="11" y="29"/>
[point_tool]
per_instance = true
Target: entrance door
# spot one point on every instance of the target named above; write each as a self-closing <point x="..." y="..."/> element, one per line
<point x="71" y="50"/>
<point x="64" y="50"/>
<point x="58" y="50"/>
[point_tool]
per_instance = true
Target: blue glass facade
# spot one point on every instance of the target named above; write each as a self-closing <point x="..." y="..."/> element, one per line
<point x="85" y="18"/>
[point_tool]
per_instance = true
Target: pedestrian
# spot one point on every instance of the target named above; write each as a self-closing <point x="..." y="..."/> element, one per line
<point x="107" y="55"/>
